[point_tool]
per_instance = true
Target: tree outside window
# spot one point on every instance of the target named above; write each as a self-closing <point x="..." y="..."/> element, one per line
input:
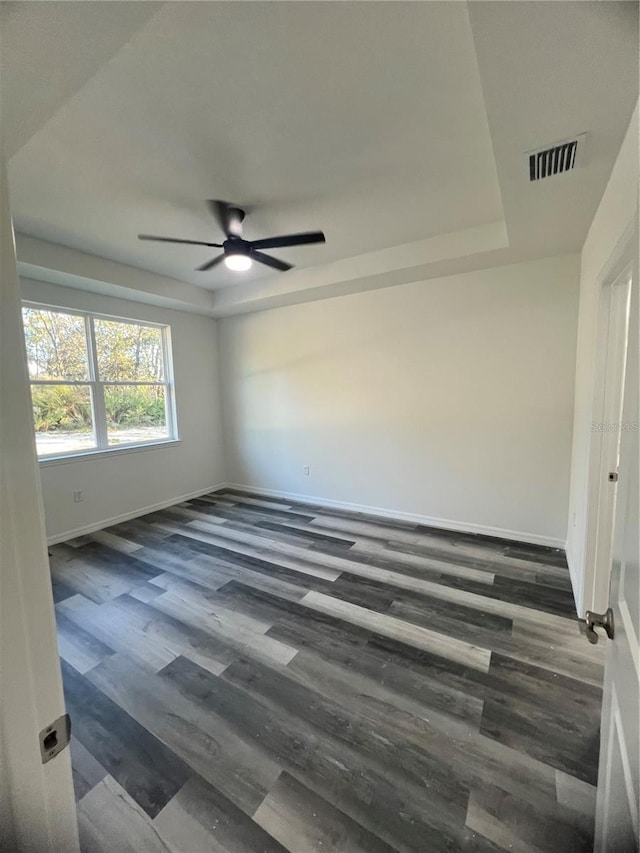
<point x="97" y="383"/>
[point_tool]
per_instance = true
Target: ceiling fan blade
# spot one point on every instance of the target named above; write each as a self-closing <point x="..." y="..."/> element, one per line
<point x="289" y="240"/>
<point x="228" y="216"/>
<point x="212" y="263"/>
<point x="270" y="261"/>
<point x="177" y="240"/>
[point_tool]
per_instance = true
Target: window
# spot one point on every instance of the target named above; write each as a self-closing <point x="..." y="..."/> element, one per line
<point x="97" y="383"/>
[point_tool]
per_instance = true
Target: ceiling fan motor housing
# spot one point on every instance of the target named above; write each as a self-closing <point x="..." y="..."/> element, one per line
<point x="236" y="246"/>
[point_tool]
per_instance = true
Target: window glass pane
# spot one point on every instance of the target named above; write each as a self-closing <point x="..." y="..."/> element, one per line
<point x="56" y="344"/>
<point x="135" y="413"/>
<point x="63" y="418"/>
<point x="128" y="352"/>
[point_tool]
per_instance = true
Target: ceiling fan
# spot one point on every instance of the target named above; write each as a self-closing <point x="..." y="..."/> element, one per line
<point x="237" y="253"/>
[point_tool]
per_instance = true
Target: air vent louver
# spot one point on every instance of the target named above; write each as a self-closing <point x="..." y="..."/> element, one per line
<point x="555" y="159"/>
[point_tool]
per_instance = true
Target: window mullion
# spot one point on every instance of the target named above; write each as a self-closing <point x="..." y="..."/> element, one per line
<point x="130" y="383"/>
<point x="169" y="394"/>
<point x="53" y="382"/>
<point x="99" y="411"/>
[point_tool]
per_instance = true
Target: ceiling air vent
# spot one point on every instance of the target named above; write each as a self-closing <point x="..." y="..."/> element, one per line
<point x="555" y="159"/>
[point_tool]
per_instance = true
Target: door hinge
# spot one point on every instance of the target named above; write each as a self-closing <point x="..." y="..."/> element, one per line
<point x="593" y="620"/>
<point x="55" y="737"/>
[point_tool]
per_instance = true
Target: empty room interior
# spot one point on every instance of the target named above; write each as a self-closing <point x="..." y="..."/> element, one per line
<point x="320" y="473"/>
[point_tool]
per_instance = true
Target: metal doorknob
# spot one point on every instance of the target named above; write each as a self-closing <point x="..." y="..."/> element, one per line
<point x="593" y="620"/>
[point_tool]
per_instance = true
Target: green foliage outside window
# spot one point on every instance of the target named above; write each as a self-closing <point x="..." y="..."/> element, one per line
<point x="60" y="407"/>
<point x="56" y="346"/>
<point x="134" y="406"/>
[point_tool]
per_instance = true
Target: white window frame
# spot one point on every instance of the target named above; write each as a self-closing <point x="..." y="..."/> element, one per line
<point x="96" y="385"/>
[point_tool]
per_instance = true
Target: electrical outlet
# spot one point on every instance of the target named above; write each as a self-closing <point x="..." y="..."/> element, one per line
<point x="78" y="497"/>
<point x="305" y="470"/>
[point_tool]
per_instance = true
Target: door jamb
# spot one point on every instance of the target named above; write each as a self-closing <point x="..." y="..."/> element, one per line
<point x="623" y="259"/>
<point x="38" y="808"/>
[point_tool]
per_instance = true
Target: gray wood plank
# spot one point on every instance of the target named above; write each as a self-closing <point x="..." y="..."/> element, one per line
<point x="366" y="794"/>
<point x="302" y="821"/>
<point x="92" y="581"/>
<point x="147" y="591"/>
<point x="328" y="566"/>
<point x="241" y="637"/>
<point x="519" y="826"/>
<point x="579" y="798"/>
<point x="108" y="624"/>
<point x="150" y="772"/>
<point x="254" y="682"/>
<point x="236" y="766"/>
<point x="87" y="772"/>
<point x="199" y="818"/>
<point x="79" y="647"/>
<point x="109" y="820"/>
<point x="111" y="539"/>
<point x="413" y="635"/>
<point x="171" y="633"/>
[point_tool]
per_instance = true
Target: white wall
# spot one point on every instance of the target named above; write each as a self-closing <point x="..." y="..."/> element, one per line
<point x="615" y="214"/>
<point x="449" y="399"/>
<point x="38" y="810"/>
<point x="128" y="482"/>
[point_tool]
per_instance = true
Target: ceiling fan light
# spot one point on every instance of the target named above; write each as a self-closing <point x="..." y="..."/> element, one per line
<point x="237" y="262"/>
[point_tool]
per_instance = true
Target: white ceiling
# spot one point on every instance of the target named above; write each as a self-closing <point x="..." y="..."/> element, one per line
<point x="383" y="124"/>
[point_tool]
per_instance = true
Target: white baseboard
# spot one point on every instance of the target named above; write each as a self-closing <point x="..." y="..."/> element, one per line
<point x="575" y="574"/>
<point x="127" y="516"/>
<point x="413" y="518"/>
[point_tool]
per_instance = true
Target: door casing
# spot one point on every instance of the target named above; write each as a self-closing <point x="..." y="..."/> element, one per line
<point x="611" y="342"/>
<point x="617" y="820"/>
<point x="38" y="814"/>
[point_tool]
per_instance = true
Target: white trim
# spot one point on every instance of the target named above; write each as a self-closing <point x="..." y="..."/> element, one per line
<point x="96" y="391"/>
<point x="99" y="453"/>
<point x="83" y="312"/>
<point x="574" y="573"/>
<point x="443" y="523"/>
<point x="96" y="385"/>
<point x="127" y="516"/>
<point x="38" y="807"/>
<point x="595" y="578"/>
<point x="126" y="383"/>
<point x="618" y="259"/>
<point x="612" y="346"/>
<point x="631" y="632"/>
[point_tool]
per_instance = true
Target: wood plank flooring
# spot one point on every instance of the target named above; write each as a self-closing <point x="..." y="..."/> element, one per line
<point x="247" y="674"/>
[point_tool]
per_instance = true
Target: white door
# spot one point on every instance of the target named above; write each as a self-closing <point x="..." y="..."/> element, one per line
<point x="37" y="809"/>
<point x="619" y="772"/>
<point x="618" y="295"/>
<point x="610" y="365"/>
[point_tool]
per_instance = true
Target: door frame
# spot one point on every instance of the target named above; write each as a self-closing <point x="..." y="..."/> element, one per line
<point x="38" y="813"/>
<point x="600" y="496"/>
<point x="619" y="766"/>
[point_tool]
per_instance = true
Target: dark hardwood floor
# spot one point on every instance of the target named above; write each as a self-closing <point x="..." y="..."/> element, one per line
<point x="247" y="674"/>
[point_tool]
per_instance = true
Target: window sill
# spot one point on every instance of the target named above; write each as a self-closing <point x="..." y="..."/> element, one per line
<point x="49" y="461"/>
